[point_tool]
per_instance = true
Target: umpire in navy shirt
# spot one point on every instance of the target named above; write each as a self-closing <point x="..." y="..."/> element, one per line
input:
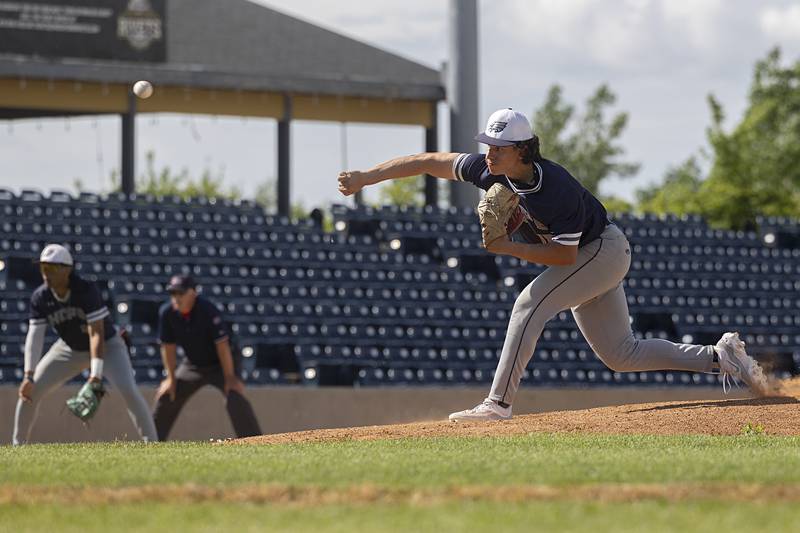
<point x="194" y="323"/>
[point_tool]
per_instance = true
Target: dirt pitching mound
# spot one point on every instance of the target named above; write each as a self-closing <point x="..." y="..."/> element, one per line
<point x="779" y="415"/>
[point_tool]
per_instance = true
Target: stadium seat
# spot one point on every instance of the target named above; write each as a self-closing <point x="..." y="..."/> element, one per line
<point x="345" y="308"/>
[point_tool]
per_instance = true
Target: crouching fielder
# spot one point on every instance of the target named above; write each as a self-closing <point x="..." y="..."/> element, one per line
<point x="586" y="255"/>
<point x="87" y="338"/>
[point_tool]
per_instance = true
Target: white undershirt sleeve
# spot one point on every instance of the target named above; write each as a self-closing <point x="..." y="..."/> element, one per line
<point x="34" y="344"/>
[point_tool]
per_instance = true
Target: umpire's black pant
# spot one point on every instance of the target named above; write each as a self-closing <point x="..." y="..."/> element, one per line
<point x="189" y="379"/>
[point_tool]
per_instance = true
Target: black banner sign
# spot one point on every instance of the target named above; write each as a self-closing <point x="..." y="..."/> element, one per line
<point x="127" y="30"/>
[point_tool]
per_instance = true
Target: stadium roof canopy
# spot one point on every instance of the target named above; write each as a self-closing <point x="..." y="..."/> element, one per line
<point x="234" y="57"/>
<point x="231" y="57"/>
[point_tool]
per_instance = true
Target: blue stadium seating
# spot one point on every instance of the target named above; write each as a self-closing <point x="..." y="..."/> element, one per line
<point x="393" y="296"/>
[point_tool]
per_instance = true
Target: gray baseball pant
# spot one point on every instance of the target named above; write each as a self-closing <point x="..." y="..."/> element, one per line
<point x="592" y="288"/>
<point x="61" y="363"/>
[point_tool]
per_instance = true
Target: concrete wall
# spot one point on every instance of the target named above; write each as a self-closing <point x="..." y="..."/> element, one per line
<point x="282" y="409"/>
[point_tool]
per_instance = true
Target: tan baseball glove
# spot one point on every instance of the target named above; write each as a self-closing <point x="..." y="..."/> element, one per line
<point x="500" y="213"/>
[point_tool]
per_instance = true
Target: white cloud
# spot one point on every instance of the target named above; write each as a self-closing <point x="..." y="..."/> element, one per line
<point x="661" y="57"/>
<point x="583" y="33"/>
<point x="781" y="23"/>
<point x="630" y="36"/>
<point x="695" y="19"/>
<point x="618" y="37"/>
<point x="416" y="29"/>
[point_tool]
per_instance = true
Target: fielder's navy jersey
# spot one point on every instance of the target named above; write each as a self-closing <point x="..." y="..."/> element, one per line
<point x="559" y="208"/>
<point x="70" y="317"/>
<point x="197" y="333"/>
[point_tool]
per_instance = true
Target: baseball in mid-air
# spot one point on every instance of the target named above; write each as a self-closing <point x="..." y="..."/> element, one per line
<point x="143" y="89"/>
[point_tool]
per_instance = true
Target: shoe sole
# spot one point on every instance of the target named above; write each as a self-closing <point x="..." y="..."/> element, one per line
<point x="737" y="356"/>
<point x="476" y="419"/>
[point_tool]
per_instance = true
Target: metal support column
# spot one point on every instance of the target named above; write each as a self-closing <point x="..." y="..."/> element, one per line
<point x="432" y="145"/>
<point x="284" y="158"/>
<point x="462" y="90"/>
<point x="128" y="182"/>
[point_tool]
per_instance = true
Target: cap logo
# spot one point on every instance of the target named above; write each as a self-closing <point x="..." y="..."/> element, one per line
<point x="497" y="127"/>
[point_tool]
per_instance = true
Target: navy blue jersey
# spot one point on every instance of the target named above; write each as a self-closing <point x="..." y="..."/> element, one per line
<point x="559" y="208"/>
<point x="197" y="333"/>
<point x="69" y="318"/>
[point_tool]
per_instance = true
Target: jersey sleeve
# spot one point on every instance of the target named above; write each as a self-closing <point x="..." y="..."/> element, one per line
<point x="38" y="316"/>
<point x="472" y="168"/>
<point x="166" y="334"/>
<point x="93" y="305"/>
<point x="218" y="330"/>
<point x="567" y="227"/>
<point x="34" y="344"/>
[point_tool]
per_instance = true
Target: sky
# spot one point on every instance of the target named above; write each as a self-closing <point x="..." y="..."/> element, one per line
<point x="661" y="57"/>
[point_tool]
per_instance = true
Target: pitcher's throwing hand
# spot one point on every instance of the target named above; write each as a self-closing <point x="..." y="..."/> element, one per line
<point x="350" y="182"/>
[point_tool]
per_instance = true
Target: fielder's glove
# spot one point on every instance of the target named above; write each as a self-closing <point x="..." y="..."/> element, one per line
<point x="85" y="403"/>
<point x="500" y="213"/>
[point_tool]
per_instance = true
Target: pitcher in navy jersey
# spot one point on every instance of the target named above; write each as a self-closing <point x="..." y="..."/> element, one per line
<point x="87" y="339"/>
<point x="587" y="258"/>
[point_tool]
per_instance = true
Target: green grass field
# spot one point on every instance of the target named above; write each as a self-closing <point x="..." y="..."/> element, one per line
<point x="527" y="483"/>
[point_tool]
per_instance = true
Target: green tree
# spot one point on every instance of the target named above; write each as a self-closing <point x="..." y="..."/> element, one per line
<point x="587" y="144"/>
<point x="678" y="194"/>
<point x="615" y="204"/>
<point x="266" y="195"/>
<point x="406" y="191"/>
<point x="166" y="182"/>
<point x="755" y="169"/>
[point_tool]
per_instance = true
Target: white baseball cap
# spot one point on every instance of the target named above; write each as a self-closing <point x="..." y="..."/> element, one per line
<point x="505" y="127"/>
<point x="56" y="254"/>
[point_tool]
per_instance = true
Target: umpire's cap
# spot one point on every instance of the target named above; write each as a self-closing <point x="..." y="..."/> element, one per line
<point x="181" y="283"/>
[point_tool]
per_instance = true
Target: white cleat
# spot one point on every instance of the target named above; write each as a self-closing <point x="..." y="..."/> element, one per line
<point x="735" y="363"/>
<point x="487" y="410"/>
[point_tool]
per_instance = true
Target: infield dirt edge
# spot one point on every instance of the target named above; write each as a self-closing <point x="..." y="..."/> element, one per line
<point x="778" y="415"/>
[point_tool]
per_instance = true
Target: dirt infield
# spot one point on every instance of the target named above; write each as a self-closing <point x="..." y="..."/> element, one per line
<point x="778" y="415"/>
<point x="370" y="494"/>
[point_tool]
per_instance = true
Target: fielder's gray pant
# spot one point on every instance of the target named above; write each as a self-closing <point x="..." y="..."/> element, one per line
<point x="61" y="363"/>
<point x="592" y="288"/>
